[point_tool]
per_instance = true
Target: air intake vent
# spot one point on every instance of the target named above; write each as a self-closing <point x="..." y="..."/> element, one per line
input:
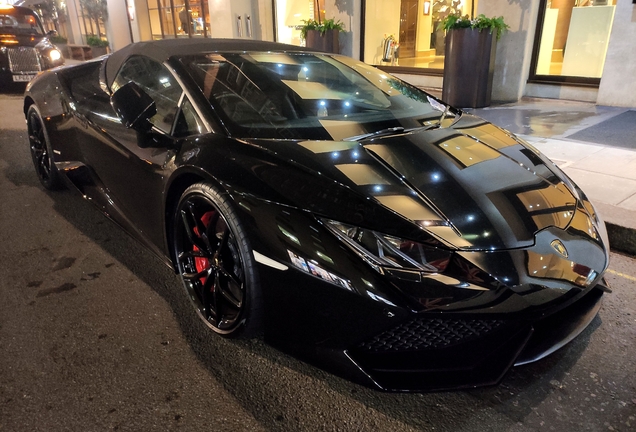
<point x="422" y="334"/>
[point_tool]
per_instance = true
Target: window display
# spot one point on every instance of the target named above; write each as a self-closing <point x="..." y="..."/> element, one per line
<point x="290" y="15"/>
<point x="178" y="18"/>
<point x="573" y="36"/>
<point x="405" y="32"/>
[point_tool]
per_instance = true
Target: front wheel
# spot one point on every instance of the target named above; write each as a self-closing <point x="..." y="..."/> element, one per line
<point x="41" y="151"/>
<point x="216" y="263"/>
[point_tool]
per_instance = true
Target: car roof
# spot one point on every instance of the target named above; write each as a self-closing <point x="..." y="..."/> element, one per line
<point x="162" y="50"/>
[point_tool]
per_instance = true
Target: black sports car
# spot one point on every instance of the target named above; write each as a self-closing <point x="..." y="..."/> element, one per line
<point x="25" y="48"/>
<point x="353" y="219"/>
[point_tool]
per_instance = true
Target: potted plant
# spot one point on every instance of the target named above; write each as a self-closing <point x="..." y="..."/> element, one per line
<point x="99" y="46"/>
<point x="322" y="35"/>
<point x="469" y="60"/>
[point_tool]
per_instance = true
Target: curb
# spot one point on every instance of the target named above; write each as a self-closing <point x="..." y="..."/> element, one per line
<point x="621" y="226"/>
<point x="621" y="239"/>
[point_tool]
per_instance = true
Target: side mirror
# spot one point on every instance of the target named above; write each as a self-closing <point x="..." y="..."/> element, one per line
<point x="134" y="107"/>
<point x="51" y="33"/>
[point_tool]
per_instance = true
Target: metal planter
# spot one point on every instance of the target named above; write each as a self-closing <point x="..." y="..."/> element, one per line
<point x="326" y="43"/>
<point x="469" y="66"/>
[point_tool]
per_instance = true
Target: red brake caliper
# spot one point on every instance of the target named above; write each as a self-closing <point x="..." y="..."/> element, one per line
<point x="202" y="263"/>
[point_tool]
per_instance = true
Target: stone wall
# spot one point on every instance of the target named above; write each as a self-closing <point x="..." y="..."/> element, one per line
<point x="618" y="84"/>
<point x="514" y="49"/>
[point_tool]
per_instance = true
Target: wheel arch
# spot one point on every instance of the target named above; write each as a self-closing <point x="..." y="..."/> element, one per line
<point x="28" y="101"/>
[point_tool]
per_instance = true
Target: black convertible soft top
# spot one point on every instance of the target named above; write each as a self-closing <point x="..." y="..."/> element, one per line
<point x="162" y="50"/>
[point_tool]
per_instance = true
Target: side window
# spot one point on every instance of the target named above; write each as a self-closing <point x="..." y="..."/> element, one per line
<point x="188" y="121"/>
<point x="158" y="82"/>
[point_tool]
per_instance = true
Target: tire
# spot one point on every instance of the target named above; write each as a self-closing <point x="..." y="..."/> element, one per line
<point x="216" y="263"/>
<point x="41" y="151"/>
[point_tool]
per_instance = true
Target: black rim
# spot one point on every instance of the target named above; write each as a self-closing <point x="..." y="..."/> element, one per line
<point x="39" y="151"/>
<point x="210" y="263"/>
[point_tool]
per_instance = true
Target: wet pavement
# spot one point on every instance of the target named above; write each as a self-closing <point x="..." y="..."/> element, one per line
<point x="548" y="118"/>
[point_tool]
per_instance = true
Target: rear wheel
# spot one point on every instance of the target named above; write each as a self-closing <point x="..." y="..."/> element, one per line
<point x="216" y="263"/>
<point x="41" y="151"/>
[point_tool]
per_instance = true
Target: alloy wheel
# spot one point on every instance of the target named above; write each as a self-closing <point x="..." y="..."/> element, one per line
<point x="210" y="263"/>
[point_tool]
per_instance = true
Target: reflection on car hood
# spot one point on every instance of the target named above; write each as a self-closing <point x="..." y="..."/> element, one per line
<point x="472" y="185"/>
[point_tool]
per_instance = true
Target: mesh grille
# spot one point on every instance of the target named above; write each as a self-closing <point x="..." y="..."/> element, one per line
<point x="421" y="334"/>
<point x="24" y="59"/>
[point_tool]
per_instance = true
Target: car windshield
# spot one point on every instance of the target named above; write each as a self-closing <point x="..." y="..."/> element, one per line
<point x="17" y="23"/>
<point x="309" y="96"/>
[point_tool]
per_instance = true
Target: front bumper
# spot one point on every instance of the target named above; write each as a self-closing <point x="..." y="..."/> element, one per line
<point x="473" y="352"/>
<point x="461" y="329"/>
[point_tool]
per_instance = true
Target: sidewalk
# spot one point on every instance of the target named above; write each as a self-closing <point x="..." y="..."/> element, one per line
<point x="594" y="145"/>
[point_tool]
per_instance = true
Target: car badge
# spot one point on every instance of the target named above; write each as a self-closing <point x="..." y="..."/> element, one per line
<point x="558" y="246"/>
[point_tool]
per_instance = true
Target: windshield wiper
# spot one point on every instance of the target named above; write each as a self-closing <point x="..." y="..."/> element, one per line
<point x="391" y="131"/>
<point x="381" y="132"/>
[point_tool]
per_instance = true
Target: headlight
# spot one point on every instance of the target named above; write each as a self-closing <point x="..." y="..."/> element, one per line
<point x="385" y="251"/>
<point x="55" y="55"/>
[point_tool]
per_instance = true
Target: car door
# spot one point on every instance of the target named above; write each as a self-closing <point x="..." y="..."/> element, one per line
<point x="133" y="167"/>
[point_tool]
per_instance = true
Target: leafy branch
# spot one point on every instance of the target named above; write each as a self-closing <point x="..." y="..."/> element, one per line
<point x="322" y="27"/>
<point x="481" y="22"/>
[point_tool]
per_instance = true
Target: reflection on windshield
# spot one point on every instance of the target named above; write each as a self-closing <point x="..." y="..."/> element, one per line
<point x="308" y="96"/>
<point x="18" y="24"/>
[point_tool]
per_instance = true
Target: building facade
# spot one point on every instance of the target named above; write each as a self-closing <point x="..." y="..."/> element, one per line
<point x="567" y="49"/>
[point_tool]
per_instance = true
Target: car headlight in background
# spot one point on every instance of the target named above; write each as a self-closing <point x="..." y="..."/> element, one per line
<point x="383" y="251"/>
<point x="55" y="55"/>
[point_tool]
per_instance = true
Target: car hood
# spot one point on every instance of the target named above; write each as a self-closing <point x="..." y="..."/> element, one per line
<point x="472" y="185"/>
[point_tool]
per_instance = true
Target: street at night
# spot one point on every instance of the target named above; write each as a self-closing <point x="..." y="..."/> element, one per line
<point x="96" y="334"/>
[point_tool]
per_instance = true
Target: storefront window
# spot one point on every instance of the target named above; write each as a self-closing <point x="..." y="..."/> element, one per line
<point x="92" y="24"/>
<point x="178" y="18"/>
<point x="289" y="17"/>
<point x="572" y="38"/>
<point x="405" y="32"/>
<point x="200" y="21"/>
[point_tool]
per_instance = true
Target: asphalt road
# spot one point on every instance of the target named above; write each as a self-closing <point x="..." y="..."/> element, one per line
<point x="96" y="334"/>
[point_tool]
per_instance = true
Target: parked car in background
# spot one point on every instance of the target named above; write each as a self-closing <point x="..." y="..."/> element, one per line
<point x="354" y="220"/>
<point x="25" y="48"/>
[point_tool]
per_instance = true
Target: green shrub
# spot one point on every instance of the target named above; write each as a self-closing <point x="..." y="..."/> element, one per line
<point x="96" y="41"/>
<point x="481" y="22"/>
<point x="328" y="24"/>
<point x="58" y="40"/>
